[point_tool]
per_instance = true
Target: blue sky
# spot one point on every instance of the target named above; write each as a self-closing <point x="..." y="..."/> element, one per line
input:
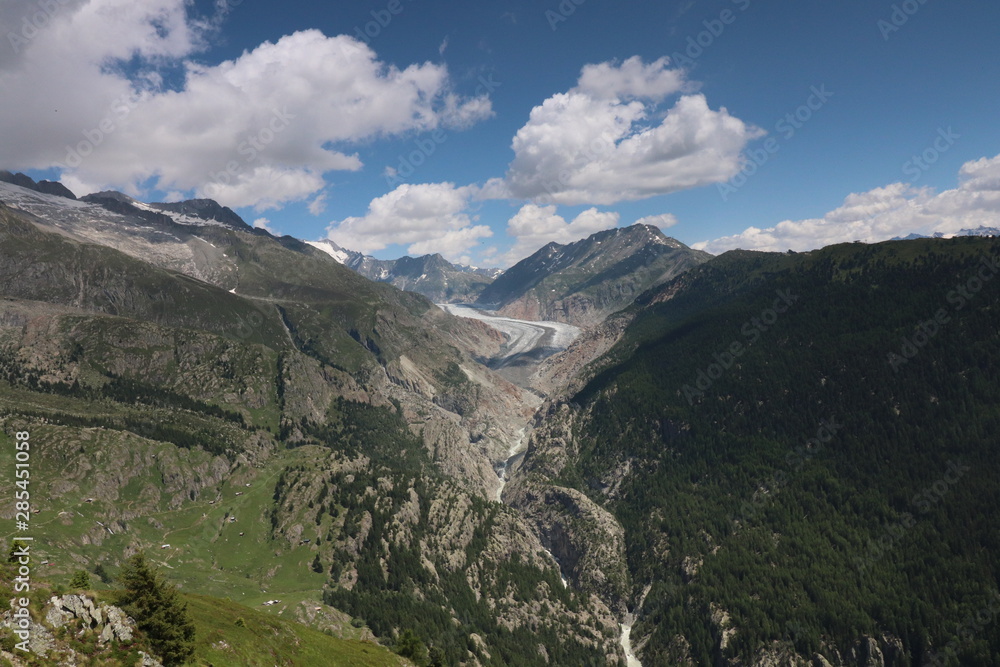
<point x="662" y="112"/>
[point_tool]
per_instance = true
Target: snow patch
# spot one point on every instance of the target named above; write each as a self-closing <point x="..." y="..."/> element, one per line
<point x="333" y="251"/>
<point x="179" y="218"/>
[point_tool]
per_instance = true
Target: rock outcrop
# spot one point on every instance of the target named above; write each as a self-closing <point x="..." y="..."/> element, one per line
<point x="82" y="617"/>
<point x="108" y="621"/>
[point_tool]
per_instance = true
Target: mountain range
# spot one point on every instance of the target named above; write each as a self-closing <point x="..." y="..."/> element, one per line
<point x="431" y="275"/>
<point x="579" y="283"/>
<point x="750" y="459"/>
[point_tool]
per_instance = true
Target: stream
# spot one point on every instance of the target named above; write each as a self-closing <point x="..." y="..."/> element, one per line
<point x="514" y="454"/>
<point x="559" y="565"/>
<point x="626" y="641"/>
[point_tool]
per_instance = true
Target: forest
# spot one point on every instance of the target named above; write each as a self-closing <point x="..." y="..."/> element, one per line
<point x="818" y="489"/>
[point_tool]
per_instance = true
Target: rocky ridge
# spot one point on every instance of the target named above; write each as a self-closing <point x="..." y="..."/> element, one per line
<point x="84" y="619"/>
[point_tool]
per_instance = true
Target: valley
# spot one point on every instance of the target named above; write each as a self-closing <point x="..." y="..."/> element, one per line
<point x="509" y="490"/>
<point x="562" y="334"/>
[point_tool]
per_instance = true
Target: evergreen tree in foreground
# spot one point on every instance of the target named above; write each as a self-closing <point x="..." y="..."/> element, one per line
<point x="80" y="580"/>
<point x="158" y="612"/>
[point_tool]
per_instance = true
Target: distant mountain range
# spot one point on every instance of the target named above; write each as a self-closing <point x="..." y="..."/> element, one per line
<point x="47" y="187"/>
<point x="583" y="282"/>
<point x="580" y="283"/>
<point x="979" y="231"/>
<point x="431" y="275"/>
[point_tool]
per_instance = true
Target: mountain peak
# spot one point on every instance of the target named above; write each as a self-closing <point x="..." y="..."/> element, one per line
<point x="582" y="282"/>
<point x="108" y="195"/>
<point x="45" y="187"/>
<point x="194" y="210"/>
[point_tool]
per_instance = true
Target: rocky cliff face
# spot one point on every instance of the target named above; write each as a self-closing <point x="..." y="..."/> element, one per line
<point x="586" y="539"/>
<point x="454" y="539"/>
<point x="565" y="372"/>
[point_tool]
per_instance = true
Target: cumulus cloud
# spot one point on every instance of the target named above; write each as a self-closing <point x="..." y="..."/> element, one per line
<point x="264" y="223"/>
<point x="607" y="141"/>
<point x="318" y="205"/>
<point x="261" y="129"/>
<point x="428" y="218"/>
<point x="981" y="175"/>
<point x="884" y="213"/>
<point x="633" y="79"/>
<point x="535" y="226"/>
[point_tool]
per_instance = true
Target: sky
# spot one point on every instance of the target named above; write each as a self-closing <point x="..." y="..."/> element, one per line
<point x="484" y="130"/>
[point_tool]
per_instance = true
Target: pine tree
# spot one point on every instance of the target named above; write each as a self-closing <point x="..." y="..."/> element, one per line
<point x="80" y="580"/>
<point x="156" y="607"/>
<point x="102" y="573"/>
<point x="409" y="646"/>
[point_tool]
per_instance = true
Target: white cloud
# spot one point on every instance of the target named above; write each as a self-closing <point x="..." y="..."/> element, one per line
<point x="536" y="226"/>
<point x="264" y="223"/>
<point x="452" y="244"/>
<point x="663" y="221"/>
<point x="318" y="205"/>
<point x="261" y="129"/>
<point x="427" y="217"/>
<point x="633" y="79"/>
<point x="605" y="141"/>
<point x="981" y="175"/>
<point x="884" y="213"/>
<point x="263" y="187"/>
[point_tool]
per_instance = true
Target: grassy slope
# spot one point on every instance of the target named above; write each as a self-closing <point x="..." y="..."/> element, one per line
<point x="263" y="640"/>
<point x="227" y="634"/>
<point x="206" y="553"/>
